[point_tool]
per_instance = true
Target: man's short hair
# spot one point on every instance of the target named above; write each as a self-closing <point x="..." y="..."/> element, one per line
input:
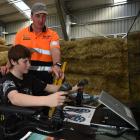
<point x="18" y="51"/>
<point x="39" y="8"/>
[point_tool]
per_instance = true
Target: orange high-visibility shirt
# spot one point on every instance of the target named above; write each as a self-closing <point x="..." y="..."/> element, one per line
<point x="40" y="43"/>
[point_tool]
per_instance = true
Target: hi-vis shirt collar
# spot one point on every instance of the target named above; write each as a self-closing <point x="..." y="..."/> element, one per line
<point x="31" y="28"/>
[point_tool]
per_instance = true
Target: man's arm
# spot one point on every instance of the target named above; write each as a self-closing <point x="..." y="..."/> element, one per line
<point x="56" y="54"/>
<point x="20" y="99"/>
<point x="56" y="57"/>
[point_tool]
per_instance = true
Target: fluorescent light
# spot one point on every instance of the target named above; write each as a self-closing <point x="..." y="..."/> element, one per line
<point x="22" y="7"/>
<point x="4" y="33"/>
<point x="73" y="23"/>
<point x="119" y="1"/>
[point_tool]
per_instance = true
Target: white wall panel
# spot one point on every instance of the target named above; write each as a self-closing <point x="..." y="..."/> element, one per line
<point x="15" y="26"/>
<point x="52" y="20"/>
<point x="12" y="28"/>
<point x="10" y="39"/>
<point x="102" y="29"/>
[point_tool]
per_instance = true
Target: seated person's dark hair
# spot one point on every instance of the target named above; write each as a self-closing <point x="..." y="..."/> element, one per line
<point x="17" y="52"/>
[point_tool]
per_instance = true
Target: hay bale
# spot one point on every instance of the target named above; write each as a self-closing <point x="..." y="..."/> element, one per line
<point x="95" y="82"/>
<point x="135" y="87"/>
<point x="2" y="41"/>
<point x="134" y="65"/>
<point x="3" y="58"/>
<point x="93" y="48"/>
<point x="102" y="61"/>
<point x="4" y="48"/>
<point x="97" y="66"/>
<point x="116" y="86"/>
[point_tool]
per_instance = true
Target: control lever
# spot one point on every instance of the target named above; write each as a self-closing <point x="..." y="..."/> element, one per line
<point x="58" y="116"/>
<point x="79" y="96"/>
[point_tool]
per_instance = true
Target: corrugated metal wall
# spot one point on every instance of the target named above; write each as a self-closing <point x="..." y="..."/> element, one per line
<point x="12" y="29"/>
<point x="54" y="23"/>
<point x="98" y="21"/>
<point x="1" y="30"/>
<point x="110" y="20"/>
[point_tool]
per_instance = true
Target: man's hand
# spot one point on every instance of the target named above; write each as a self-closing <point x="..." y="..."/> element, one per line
<point x="4" y="69"/>
<point x="58" y="72"/>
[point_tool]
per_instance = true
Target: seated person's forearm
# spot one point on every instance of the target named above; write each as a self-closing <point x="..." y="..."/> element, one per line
<point x="24" y="100"/>
<point x="20" y="99"/>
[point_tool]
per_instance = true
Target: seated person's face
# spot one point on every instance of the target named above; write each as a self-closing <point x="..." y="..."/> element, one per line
<point x="23" y="65"/>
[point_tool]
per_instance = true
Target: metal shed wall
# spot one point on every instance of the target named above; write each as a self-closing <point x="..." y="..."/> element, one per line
<point x="97" y="21"/>
<point x="111" y="20"/>
<point x="12" y="29"/>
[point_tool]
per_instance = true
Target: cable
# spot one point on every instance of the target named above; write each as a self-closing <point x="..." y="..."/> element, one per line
<point x="134" y="22"/>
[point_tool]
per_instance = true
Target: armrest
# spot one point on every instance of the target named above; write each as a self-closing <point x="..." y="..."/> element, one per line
<point x="16" y="109"/>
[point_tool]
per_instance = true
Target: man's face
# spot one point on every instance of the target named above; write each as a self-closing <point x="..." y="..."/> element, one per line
<point x="23" y="65"/>
<point x="39" y="20"/>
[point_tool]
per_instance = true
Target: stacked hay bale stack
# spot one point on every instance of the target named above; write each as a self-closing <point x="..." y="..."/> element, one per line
<point x="3" y="52"/>
<point x="134" y="65"/>
<point x="101" y="61"/>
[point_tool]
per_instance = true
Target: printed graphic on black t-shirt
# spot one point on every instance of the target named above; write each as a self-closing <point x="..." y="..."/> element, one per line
<point x="7" y="86"/>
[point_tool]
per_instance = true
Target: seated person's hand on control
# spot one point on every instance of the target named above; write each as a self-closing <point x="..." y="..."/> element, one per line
<point x="56" y="99"/>
<point x="75" y="89"/>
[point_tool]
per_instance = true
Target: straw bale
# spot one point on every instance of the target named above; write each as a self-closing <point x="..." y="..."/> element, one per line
<point x="134" y="43"/>
<point x="116" y="86"/>
<point x="104" y="62"/>
<point x="3" y="58"/>
<point x="91" y="48"/>
<point x="97" y="66"/>
<point x="119" y="84"/>
<point x="135" y="87"/>
<point x="134" y="65"/>
<point x="2" y="41"/>
<point x="95" y="82"/>
<point x="4" y="48"/>
<point x="134" y="36"/>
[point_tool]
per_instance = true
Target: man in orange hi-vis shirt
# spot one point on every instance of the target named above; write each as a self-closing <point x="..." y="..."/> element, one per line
<point x="44" y="44"/>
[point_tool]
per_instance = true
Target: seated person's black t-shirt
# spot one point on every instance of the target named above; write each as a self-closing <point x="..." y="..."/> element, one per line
<point x="29" y="85"/>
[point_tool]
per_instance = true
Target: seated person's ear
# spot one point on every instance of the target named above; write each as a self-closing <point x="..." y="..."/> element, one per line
<point x="13" y="62"/>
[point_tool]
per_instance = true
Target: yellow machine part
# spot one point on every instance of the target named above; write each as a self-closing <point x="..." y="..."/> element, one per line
<point x="57" y="82"/>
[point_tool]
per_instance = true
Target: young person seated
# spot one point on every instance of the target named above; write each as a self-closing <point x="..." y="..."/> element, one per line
<point x="21" y="89"/>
